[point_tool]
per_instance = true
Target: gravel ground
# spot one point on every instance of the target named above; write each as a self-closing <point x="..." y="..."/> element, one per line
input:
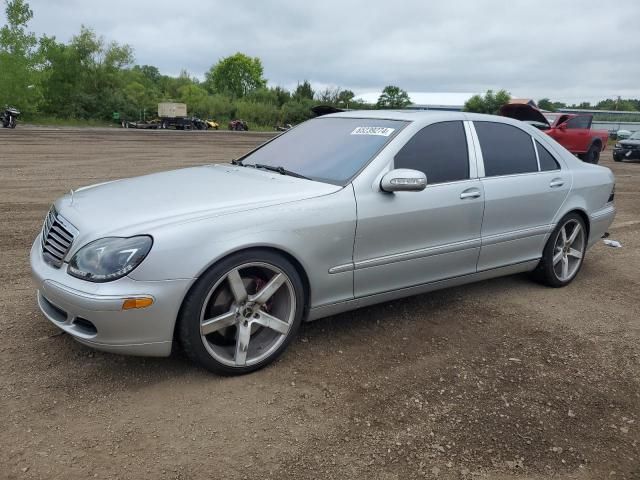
<point x="501" y="379"/>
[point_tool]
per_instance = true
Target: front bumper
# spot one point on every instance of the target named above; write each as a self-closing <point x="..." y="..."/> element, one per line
<point x="626" y="153"/>
<point x="92" y="312"/>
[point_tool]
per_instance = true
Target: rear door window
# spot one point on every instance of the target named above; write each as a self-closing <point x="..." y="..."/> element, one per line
<point x="547" y="161"/>
<point x="506" y="149"/>
<point x="439" y="150"/>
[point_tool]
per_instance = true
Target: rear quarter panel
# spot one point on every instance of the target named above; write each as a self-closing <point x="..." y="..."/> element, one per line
<point x="592" y="186"/>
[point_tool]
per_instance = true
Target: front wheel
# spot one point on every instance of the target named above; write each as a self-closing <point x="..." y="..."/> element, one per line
<point x="564" y="252"/>
<point x="243" y="313"/>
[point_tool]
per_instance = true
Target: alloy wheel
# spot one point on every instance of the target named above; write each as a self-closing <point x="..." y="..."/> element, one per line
<point x="568" y="250"/>
<point x="247" y="314"/>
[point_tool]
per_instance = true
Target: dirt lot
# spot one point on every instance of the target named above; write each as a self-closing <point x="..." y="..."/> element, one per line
<point x="497" y="380"/>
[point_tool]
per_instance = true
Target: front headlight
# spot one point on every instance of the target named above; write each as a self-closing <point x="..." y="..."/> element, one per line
<point x="617" y="145"/>
<point x="109" y="258"/>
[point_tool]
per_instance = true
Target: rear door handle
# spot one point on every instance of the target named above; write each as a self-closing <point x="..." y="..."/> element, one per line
<point x="556" y="182"/>
<point x="470" y="193"/>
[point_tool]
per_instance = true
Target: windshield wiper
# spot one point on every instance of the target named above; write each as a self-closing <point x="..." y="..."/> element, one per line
<point x="280" y="170"/>
<point x="237" y="162"/>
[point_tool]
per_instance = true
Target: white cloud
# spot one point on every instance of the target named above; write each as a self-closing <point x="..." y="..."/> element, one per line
<point x="556" y="48"/>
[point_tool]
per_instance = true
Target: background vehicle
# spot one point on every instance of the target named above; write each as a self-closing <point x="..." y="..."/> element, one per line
<point x="231" y="258"/>
<point x="238" y="125"/>
<point x="283" y="128"/>
<point x="198" y="123"/>
<point x="174" y="115"/>
<point x="572" y="131"/>
<point x="628" y="148"/>
<point x="623" y="134"/>
<point x="212" y="124"/>
<point x="9" y="117"/>
<point x="152" y="124"/>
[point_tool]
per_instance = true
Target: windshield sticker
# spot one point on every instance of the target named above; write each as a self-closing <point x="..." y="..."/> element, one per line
<point x="380" y="131"/>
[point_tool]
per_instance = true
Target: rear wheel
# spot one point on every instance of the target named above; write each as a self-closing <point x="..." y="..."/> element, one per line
<point x="593" y="154"/>
<point x="242" y="314"/>
<point x="564" y="252"/>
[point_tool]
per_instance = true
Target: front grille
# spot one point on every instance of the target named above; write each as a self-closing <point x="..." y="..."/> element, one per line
<point x="57" y="237"/>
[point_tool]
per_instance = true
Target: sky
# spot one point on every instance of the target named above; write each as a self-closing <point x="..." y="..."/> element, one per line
<point x="567" y="50"/>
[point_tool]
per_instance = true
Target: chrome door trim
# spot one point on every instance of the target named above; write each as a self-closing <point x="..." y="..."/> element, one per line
<point x="347" y="267"/>
<point x="418" y="253"/>
<point x="326" y="310"/>
<point x="516" y="234"/>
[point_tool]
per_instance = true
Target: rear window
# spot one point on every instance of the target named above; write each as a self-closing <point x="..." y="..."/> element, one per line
<point x="326" y="149"/>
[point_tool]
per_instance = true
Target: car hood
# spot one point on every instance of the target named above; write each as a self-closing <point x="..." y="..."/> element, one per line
<point x="523" y="112"/>
<point x="629" y="142"/>
<point x="138" y="204"/>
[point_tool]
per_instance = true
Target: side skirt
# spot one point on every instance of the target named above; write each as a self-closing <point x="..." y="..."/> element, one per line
<point x="333" y="309"/>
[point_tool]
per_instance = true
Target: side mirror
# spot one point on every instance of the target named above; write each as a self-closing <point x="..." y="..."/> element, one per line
<point x="403" y="180"/>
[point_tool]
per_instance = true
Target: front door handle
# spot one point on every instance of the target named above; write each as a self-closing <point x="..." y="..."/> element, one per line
<point x="556" y="182"/>
<point x="470" y="193"/>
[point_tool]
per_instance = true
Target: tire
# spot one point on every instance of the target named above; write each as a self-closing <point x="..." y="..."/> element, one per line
<point x="12" y="122"/>
<point x="556" y="250"/>
<point x="616" y="158"/>
<point x="233" y="331"/>
<point x="593" y="154"/>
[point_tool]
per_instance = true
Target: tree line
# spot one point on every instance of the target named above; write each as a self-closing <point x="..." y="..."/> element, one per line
<point x="491" y="102"/>
<point x="88" y="78"/>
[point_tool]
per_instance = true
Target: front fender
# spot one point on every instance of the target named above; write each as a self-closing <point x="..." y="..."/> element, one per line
<point x="318" y="232"/>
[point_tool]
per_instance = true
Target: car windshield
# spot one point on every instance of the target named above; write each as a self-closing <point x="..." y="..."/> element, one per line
<point x="326" y="149"/>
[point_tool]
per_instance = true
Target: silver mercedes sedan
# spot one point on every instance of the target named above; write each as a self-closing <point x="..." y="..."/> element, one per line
<point x="345" y="210"/>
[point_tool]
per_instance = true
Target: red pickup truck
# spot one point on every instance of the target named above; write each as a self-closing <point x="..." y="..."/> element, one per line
<point x="572" y="131"/>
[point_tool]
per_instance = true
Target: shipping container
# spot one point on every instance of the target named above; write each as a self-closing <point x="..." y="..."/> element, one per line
<point x="172" y="110"/>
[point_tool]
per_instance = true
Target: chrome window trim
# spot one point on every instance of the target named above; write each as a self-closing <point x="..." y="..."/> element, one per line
<point x="477" y="149"/>
<point x="535" y="149"/>
<point x="471" y="150"/>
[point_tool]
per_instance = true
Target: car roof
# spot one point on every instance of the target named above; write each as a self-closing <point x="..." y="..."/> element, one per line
<point x="421" y="116"/>
<point x="406" y="115"/>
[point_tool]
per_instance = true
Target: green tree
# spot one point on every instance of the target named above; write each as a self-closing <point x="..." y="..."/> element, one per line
<point x="303" y="91"/>
<point x="84" y="79"/>
<point x="18" y="58"/>
<point x="546" y="104"/>
<point x="393" y="97"/>
<point x="282" y="95"/>
<point x="236" y="75"/>
<point x="345" y="97"/>
<point x="617" y="104"/>
<point x="489" y="103"/>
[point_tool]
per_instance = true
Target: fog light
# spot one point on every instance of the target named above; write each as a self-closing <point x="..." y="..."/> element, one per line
<point x="139" y="302"/>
